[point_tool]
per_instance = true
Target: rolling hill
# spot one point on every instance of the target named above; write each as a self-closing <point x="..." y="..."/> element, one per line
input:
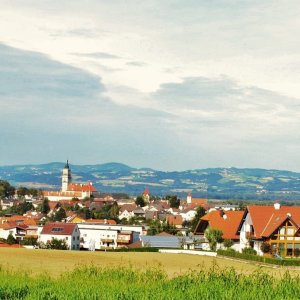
<point x="217" y="183"/>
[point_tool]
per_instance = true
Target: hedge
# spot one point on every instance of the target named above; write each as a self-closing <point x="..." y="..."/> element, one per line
<point x="140" y="249"/>
<point x="262" y="259"/>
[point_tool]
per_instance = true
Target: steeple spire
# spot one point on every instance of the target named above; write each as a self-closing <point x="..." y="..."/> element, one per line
<point x="67" y="165"/>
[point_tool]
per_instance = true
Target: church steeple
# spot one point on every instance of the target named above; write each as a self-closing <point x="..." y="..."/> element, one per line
<point x="66" y="177"/>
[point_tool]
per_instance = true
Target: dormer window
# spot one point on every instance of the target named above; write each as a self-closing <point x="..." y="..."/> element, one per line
<point x="57" y="229"/>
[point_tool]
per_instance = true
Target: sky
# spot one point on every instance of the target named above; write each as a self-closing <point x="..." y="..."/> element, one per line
<point x="171" y="85"/>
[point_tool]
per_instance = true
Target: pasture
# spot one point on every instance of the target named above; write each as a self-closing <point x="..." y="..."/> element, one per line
<point x="50" y="274"/>
<point x="55" y="262"/>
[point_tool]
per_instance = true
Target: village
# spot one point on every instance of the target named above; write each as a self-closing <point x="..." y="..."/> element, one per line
<point x="76" y="218"/>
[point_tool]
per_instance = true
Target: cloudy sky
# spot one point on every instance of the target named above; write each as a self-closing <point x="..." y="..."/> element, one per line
<point x="167" y="84"/>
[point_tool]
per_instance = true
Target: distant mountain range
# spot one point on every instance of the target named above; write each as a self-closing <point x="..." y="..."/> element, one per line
<point x="216" y="183"/>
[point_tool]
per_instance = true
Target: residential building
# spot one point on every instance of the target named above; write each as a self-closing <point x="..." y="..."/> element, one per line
<point x="96" y="236"/>
<point x="227" y="221"/>
<point x="276" y="225"/>
<point x="62" y="231"/>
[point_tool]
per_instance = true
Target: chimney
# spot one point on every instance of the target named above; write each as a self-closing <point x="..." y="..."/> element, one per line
<point x="277" y="206"/>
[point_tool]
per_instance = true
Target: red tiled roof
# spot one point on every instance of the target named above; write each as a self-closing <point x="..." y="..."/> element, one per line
<point x="13" y="221"/>
<point x="79" y="187"/>
<point x="101" y="221"/>
<point x="128" y="207"/>
<point x="58" y="228"/>
<point x="199" y="201"/>
<point x="266" y="219"/>
<point x="174" y="220"/>
<point x="228" y="222"/>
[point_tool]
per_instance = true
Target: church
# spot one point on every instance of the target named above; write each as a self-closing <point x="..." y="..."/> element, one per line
<point x="70" y="190"/>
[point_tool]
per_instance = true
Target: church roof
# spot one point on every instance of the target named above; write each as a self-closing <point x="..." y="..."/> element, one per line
<point x="79" y="187"/>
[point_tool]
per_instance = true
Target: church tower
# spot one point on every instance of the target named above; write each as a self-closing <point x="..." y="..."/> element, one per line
<point x="66" y="177"/>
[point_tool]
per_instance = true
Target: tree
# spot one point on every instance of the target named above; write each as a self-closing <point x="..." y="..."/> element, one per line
<point x="114" y="211"/>
<point x="22" y="191"/>
<point x="45" y="208"/>
<point x="11" y="240"/>
<point x="6" y="190"/>
<point x="173" y="200"/>
<point x="265" y="247"/>
<point x="60" y="214"/>
<point x="140" y="201"/>
<point x="200" y="212"/>
<point x="214" y="236"/>
<point x="57" y="244"/>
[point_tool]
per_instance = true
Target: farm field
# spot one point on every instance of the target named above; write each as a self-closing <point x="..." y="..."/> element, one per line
<point x="55" y="262"/>
<point x="48" y="274"/>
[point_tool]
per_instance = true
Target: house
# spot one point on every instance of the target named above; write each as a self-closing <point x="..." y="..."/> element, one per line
<point x="276" y="225"/>
<point x="62" y="231"/>
<point x="227" y="221"/>
<point x="188" y="214"/>
<point x="126" y="211"/>
<point x="97" y="236"/>
<point x="15" y="225"/>
<point x="175" y="220"/>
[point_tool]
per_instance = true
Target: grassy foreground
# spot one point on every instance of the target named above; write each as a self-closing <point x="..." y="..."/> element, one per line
<point x="128" y="283"/>
<point x="50" y="274"/>
<point x="54" y="263"/>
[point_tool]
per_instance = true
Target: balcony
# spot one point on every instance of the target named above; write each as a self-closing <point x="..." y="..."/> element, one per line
<point x="123" y="241"/>
<point x="107" y="240"/>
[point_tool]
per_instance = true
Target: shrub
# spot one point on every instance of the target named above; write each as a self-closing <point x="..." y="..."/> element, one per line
<point x="228" y="243"/>
<point x="250" y="251"/>
<point x="57" y="244"/>
<point x="265" y="247"/>
<point x="214" y="236"/>
<point x="269" y="260"/>
<point x="11" y="240"/>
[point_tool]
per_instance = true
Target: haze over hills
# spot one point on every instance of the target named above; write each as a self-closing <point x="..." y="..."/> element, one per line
<point x="223" y="183"/>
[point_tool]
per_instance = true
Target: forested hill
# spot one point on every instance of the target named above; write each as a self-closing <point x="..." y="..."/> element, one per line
<point x="223" y="183"/>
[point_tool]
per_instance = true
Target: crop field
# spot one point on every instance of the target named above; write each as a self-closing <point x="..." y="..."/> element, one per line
<point x="50" y="274"/>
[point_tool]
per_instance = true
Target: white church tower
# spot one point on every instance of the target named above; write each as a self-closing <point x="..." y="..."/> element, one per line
<point x="66" y="177"/>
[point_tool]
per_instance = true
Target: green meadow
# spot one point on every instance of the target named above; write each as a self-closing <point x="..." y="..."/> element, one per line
<point x="49" y="274"/>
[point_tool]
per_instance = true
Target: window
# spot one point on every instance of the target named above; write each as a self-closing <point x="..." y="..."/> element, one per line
<point x="73" y="238"/>
<point x="78" y="238"/>
<point x="67" y="238"/>
<point x="57" y="229"/>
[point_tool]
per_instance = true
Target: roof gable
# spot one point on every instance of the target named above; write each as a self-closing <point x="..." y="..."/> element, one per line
<point x="227" y="221"/>
<point x="265" y="219"/>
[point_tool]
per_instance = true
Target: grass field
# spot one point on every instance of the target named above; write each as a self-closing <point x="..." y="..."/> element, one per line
<point x="49" y="274"/>
<point x="54" y="262"/>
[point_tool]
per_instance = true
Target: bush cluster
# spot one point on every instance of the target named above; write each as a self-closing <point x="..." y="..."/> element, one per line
<point x="140" y="249"/>
<point x="268" y="260"/>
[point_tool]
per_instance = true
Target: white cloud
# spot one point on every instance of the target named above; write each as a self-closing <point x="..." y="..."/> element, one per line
<point x="218" y="81"/>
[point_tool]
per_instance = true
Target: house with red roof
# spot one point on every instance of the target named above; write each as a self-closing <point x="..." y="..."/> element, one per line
<point x="227" y="221"/>
<point x="62" y="231"/>
<point x="276" y="225"/>
<point x="175" y="220"/>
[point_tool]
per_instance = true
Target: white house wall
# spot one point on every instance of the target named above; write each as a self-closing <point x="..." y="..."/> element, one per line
<point x="246" y="228"/>
<point x="92" y="234"/>
<point x="73" y="241"/>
